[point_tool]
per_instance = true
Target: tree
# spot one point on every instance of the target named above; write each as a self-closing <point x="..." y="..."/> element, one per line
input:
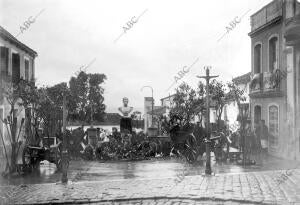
<point x="87" y="97"/>
<point x="185" y="106"/>
<point x="219" y="98"/>
<point x="236" y="94"/>
<point x="201" y="109"/>
<point x="11" y="94"/>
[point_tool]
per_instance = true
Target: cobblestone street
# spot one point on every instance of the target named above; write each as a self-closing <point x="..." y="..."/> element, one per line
<point x="252" y="188"/>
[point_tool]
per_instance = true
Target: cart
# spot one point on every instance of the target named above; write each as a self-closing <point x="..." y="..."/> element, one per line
<point x="33" y="155"/>
<point x="184" y="143"/>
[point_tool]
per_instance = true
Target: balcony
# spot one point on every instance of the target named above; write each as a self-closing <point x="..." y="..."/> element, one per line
<point x="256" y="83"/>
<point x="292" y="31"/>
<point x="268" y="14"/>
<point x="267" y="84"/>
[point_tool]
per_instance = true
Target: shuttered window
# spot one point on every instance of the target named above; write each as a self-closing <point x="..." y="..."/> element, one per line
<point x="4" y="60"/>
<point x="15" y="68"/>
<point x="26" y="69"/>
<point x="32" y="70"/>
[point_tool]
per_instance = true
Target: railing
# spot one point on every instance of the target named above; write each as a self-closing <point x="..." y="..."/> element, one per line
<point x="267" y="82"/>
<point x="266" y="14"/>
<point x="256" y="82"/>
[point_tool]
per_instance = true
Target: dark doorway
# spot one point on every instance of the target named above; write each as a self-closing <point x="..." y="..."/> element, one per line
<point x="15" y="68"/>
<point x="257" y="114"/>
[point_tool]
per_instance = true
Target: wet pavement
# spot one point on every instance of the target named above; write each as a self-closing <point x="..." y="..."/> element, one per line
<point x="80" y="170"/>
<point x="263" y="187"/>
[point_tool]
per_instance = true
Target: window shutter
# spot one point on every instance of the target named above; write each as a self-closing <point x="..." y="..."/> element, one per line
<point x="15" y="68"/>
<point x="4" y="60"/>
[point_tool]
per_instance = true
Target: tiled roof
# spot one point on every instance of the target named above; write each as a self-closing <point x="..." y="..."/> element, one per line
<point x="243" y="79"/>
<point x="9" y="37"/>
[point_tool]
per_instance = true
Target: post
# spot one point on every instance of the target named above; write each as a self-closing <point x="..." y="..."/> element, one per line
<point x="64" y="155"/>
<point x="207" y="77"/>
<point x="152" y="104"/>
<point x="208" y="143"/>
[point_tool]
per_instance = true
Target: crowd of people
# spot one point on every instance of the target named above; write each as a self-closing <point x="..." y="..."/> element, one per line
<point x="252" y="143"/>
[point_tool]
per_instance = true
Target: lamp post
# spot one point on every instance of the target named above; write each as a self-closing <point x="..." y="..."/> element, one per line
<point x="207" y="77"/>
<point x="152" y="104"/>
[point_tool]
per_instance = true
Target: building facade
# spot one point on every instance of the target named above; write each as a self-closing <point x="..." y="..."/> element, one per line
<point x="274" y="86"/>
<point x="16" y="62"/>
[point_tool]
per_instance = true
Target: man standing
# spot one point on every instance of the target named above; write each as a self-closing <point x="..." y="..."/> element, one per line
<point x="264" y="134"/>
<point x="261" y="133"/>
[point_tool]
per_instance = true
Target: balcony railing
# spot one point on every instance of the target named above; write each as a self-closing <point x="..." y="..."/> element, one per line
<point x="256" y="82"/>
<point x="266" y="14"/>
<point x="267" y="83"/>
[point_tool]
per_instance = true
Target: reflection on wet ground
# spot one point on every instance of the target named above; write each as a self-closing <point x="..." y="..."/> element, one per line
<point x="80" y="170"/>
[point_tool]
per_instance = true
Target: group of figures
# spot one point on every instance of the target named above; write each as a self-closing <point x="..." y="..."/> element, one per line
<point x="127" y="144"/>
<point x="255" y="143"/>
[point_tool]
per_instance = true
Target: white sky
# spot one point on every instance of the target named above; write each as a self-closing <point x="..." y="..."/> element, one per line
<point x="171" y="34"/>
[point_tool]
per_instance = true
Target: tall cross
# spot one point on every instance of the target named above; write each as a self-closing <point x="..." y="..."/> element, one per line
<point x="207" y="77"/>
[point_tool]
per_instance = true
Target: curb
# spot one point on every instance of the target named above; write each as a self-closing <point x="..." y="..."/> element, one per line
<point x="199" y="199"/>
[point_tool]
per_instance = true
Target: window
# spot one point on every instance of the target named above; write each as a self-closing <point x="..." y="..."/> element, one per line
<point x="273" y="125"/>
<point x="257" y="58"/>
<point x="273" y="54"/>
<point x="15" y="68"/>
<point x="32" y="70"/>
<point x="257" y="114"/>
<point x="26" y="69"/>
<point x="4" y="60"/>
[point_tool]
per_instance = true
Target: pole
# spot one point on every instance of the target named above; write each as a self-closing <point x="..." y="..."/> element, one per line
<point x="207" y="77"/>
<point x="152" y="104"/>
<point x="208" y="165"/>
<point x="64" y="160"/>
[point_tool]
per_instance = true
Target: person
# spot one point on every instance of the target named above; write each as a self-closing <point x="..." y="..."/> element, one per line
<point x="258" y="142"/>
<point x="264" y="133"/>
<point x="250" y="144"/>
<point x="116" y="135"/>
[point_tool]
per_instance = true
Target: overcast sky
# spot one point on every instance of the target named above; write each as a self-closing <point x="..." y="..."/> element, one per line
<point x="169" y="35"/>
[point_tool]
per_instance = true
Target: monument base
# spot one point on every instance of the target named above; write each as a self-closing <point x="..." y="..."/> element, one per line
<point x="125" y="124"/>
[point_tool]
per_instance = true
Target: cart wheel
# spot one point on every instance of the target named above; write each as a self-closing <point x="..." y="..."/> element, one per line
<point x="191" y="142"/>
<point x="27" y="159"/>
<point x="191" y="149"/>
<point x="190" y="155"/>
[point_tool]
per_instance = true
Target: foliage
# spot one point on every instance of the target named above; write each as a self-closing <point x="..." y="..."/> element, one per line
<point x="87" y="97"/>
<point x="237" y="94"/>
<point x="138" y="148"/>
<point x="185" y="106"/>
<point x="219" y="98"/>
<point x="11" y="93"/>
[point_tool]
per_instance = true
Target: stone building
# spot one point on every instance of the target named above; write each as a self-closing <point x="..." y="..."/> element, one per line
<point x="16" y="62"/>
<point x="274" y="86"/>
